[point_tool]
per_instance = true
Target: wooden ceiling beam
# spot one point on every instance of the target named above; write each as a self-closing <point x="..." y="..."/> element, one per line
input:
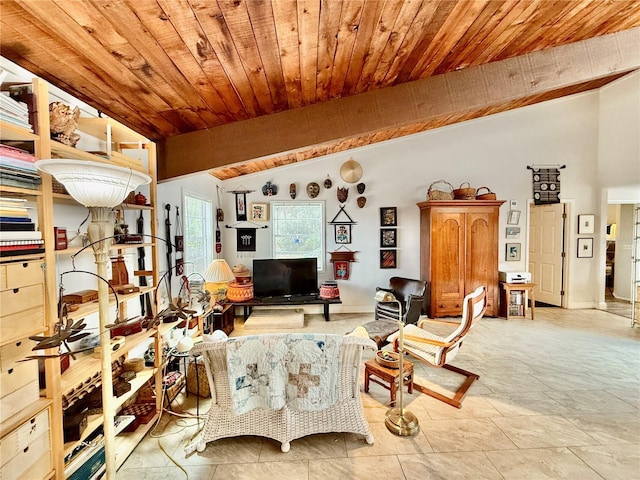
<point x="424" y="100"/>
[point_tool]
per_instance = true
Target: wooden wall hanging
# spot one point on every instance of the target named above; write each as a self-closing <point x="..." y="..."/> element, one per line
<point x="341" y="259"/>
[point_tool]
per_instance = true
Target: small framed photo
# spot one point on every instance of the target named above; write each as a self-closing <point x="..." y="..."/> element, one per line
<point x="342" y="233"/>
<point x="388" y="259"/>
<point x="586" y="224"/>
<point x="514" y="217"/>
<point x="260" y="212"/>
<point x="513" y="233"/>
<point x="388" y="238"/>
<point x="388" y="217"/>
<point x="585" y="248"/>
<point x="513" y="252"/>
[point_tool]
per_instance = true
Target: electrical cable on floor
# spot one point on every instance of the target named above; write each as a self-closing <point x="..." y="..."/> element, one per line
<point x="152" y="433"/>
<point x="172" y="460"/>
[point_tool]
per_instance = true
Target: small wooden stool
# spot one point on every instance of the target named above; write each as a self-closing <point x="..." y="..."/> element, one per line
<point x="373" y="369"/>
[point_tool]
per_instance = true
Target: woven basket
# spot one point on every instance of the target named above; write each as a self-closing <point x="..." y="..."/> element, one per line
<point x="382" y="358"/>
<point x="489" y="195"/>
<point x="464" y="192"/>
<point x="57" y="187"/>
<point x="440" y="190"/>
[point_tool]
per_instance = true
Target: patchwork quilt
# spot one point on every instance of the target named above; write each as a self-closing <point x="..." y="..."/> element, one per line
<point x="297" y="370"/>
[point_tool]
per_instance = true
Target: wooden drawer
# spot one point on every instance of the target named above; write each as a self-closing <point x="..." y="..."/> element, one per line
<point x="14" y="402"/>
<point x="20" y="299"/>
<point x="19" y="325"/>
<point x="14" y="378"/>
<point x="448" y="307"/>
<point x="21" y="274"/>
<point x="22" y="437"/>
<point x="33" y="462"/>
<point x="12" y="352"/>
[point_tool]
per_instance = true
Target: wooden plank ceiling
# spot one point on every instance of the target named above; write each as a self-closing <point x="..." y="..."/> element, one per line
<point x="167" y="68"/>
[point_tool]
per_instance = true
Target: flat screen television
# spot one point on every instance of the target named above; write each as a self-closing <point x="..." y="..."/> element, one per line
<point x="285" y="277"/>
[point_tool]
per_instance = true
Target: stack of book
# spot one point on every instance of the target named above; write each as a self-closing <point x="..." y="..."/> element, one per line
<point x="18" y="234"/>
<point x="14" y="112"/>
<point x="17" y="168"/>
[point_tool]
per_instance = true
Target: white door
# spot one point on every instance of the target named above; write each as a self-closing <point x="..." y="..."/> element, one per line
<point x="546" y="251"/>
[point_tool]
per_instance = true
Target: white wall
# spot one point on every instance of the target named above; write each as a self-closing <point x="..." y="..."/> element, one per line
<point x="171" y="193"/>
<point x="492" y="151"/>
<point x="619" y="145"/>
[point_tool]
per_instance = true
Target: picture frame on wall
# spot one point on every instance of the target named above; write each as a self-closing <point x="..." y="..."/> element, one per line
<point x="513" y="252"/>
<point x="388" y="238"/>
<point x="512" y="233"/>
<point x="388" y="259"/>
<point x="586" y="224"/>
<point x="514" y="217"/>
<point x="585" y="248"/>
<point x="389" y="217"/>
<point x="260" y="212"/>
<point x="342" y="233"/>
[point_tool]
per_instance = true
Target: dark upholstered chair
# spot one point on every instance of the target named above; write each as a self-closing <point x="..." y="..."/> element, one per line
<point x="410" y="293"/>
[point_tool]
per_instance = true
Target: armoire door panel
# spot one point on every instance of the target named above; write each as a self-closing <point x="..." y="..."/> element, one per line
<point x="459" y="252"/>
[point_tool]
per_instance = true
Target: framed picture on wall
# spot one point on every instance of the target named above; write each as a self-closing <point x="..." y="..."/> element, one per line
<point x="388" y="217"/>
<point x="585" y="247"/>
<point x="586" y="224"/>
<point x="388" y="238"/>
<point x="388" y="259"/>
<point x="342" y="233"/>
<point x="260" y="212"/>
<point x="514" y="217"/>
<point x="513" y="252"/>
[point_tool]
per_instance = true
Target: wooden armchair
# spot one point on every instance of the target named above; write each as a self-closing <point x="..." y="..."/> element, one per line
<point x="438" y="351"/>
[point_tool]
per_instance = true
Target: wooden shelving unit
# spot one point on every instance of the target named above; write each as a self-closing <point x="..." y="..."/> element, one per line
<point x="117" y="139"/>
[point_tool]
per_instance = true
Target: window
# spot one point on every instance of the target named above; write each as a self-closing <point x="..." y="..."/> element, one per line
<point x="198" y="232"/>
<point x="298" y="230"/>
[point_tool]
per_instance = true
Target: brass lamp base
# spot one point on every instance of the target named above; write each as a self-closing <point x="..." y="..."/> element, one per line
<point x="401" y="422"/>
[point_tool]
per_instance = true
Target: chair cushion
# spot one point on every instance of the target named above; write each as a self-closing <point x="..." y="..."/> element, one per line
<point x="379" y="330"/>
<point x="430" y="353"/>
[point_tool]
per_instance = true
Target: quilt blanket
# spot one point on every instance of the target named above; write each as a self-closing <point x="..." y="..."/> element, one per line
<point x="271" y="371"/>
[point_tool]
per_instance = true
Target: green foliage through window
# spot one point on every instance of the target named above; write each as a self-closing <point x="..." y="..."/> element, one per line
<point x="298" y="230"/>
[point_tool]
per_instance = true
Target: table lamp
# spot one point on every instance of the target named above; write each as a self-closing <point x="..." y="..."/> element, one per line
<point x="399" y="421"/>
<point x="100" y="187"/>
<point x="218" y="275"/>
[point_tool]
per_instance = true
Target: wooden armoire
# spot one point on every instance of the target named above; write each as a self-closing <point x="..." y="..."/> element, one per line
<point x="459" y="252"/>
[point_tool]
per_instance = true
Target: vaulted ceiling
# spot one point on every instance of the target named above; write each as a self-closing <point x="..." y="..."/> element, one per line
<point x="240" y="86"/>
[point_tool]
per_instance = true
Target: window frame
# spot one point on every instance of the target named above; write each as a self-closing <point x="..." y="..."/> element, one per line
<point x="274" y="207"/>
<point x="209" y="231"/>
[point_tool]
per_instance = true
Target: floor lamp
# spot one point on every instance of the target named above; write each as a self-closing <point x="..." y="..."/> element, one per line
<point x="100" y="187"/>
<point x="398" y="420"/>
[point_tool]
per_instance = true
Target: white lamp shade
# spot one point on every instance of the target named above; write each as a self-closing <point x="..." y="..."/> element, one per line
<point x="94" y="184"/>
<point x="219" y="271"/>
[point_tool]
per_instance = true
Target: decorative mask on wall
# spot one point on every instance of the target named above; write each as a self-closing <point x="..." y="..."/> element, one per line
<point x="328" y="183"/>
<point x="361" y="201"/>
<point x="343" y="194"/>
<point x="292" y="191"/>
<point x="360" y="187"/>
<point x="269" y="189"/>
<point x="313" y="189"/>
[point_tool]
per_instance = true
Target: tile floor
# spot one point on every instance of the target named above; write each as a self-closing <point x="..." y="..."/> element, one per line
<point x="557" y="398"/>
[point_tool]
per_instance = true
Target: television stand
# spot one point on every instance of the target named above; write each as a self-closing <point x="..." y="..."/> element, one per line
<point x="299" y="300"/>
